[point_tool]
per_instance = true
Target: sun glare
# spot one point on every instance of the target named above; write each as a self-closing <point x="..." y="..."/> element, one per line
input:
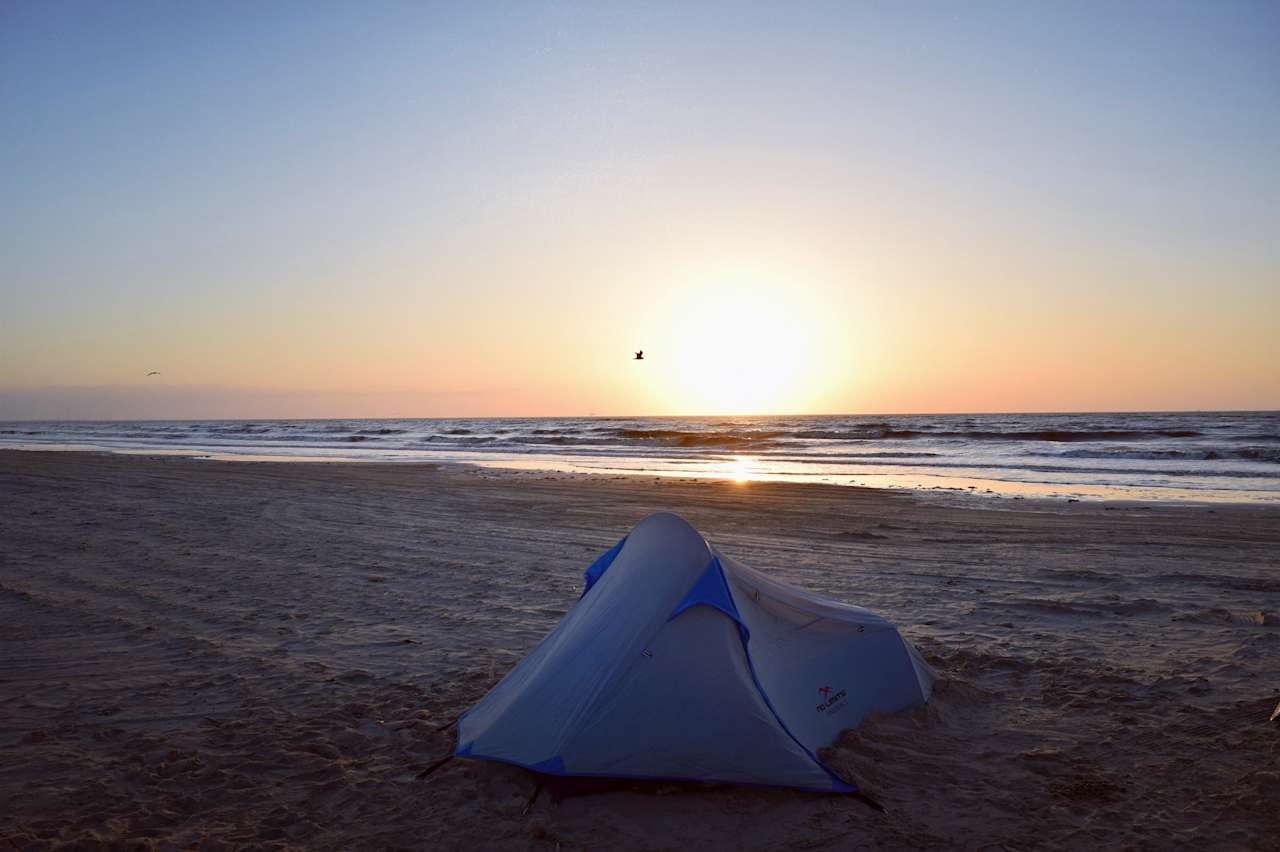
<point x="742" y="347"/>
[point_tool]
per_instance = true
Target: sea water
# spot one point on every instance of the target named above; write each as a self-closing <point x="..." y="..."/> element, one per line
<point x="1233" y="456"/>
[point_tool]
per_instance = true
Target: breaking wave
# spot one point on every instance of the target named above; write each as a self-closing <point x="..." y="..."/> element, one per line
<point x="678" y="438"/>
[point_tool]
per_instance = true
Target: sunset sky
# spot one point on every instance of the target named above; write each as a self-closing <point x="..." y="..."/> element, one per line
<point x="420" y="209"/>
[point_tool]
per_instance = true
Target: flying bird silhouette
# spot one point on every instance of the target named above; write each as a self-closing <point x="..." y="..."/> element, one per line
<point x="639" y="356"/>
<point x="154" y="373"/>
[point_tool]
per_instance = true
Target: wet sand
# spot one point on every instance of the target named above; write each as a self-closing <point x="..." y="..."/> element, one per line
<point x="204" y="654"/>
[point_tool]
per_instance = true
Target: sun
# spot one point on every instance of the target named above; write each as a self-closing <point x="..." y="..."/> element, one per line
<point x="743" y="348"/>
<point x="765" y="335"/>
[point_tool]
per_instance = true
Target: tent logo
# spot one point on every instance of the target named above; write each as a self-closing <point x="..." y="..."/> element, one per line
<point x="831" y="702"/>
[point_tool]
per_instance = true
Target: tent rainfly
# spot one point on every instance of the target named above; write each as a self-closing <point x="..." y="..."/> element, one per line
<point x="680" y="663"/>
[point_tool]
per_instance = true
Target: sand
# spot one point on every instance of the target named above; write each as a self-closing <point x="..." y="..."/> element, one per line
<point x="207" y="654"/>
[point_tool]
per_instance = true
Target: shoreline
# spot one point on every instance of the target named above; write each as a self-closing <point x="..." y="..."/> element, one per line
<point x="969" y="490"/>
<point x="250" y="652"/>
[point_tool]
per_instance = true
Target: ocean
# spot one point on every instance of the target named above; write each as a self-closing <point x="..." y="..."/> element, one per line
<point x="1202" y="456"/>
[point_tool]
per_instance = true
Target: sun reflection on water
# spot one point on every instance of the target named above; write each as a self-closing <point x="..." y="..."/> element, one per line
<point x="742" y="469"/>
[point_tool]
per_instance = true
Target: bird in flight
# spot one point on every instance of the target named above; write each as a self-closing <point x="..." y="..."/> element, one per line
<point x="639" y="356"/>
<point x="153" y="373"/>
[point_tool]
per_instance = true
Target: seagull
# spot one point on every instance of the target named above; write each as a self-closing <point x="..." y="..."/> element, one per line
<point x="153" y="373"/>
<point x="639" y="356"/>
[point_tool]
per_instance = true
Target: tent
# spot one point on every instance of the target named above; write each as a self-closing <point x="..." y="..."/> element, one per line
<point x="680" y="663"/>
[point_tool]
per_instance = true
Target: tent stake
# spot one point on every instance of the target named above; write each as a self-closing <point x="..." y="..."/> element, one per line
<point x="449" y="723"/>
<point x="433" y="767"/>
<point x="528" y="806"/>
<point x="869" y="802"/>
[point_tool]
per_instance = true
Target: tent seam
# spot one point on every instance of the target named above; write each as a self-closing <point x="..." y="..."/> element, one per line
<point x="755" y="679"/>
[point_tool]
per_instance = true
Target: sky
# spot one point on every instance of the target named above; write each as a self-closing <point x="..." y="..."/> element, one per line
<point x="484" y="209"/>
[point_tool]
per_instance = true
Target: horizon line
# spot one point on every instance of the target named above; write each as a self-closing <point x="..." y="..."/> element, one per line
<point x="661" y="416"/>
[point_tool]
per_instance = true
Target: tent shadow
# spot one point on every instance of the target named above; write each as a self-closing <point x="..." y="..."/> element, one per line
<point x="562" y="787"/>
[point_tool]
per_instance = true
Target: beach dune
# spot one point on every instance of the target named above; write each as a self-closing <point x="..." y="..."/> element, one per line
<point x="202" y="654"/>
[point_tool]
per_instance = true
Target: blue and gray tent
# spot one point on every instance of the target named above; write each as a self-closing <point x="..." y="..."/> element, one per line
<point x="680" y="663"/>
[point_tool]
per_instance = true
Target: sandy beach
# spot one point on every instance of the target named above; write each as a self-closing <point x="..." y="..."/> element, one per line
<point x="207" y="654"/>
